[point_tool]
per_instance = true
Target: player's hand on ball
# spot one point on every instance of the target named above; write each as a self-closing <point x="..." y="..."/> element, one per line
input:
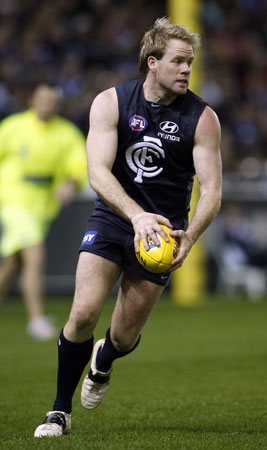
<point x="158" y="258"/>
<point x="185" y="244"/>
<point x="147" y="225"/>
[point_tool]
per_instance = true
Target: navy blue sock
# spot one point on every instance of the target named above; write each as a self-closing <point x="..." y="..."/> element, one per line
<point x="72" y="359"/>
<point x="108" y="353"/>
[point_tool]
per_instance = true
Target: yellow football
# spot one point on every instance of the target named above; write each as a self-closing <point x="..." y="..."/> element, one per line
<point x="158" y="259"/>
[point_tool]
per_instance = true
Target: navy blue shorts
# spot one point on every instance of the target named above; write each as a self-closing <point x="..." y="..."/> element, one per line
<point x="105" y="239"/>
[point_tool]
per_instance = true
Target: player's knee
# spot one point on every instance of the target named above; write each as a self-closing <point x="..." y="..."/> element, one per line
<point x="83" y="319"/>
<point x="123" y="343"/>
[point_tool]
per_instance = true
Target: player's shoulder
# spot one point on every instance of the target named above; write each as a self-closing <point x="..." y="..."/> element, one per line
<point x="208" y="123"/>
<point x="105" y="97"/>
<point x="105" y="106"/>
<point x="209" y="116"/>
<point x="110" y="95"/>
<point x="129" y="90"/>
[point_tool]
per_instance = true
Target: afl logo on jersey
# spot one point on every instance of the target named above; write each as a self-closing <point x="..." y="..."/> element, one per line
<point x="137" y="123"/>
<point x="169" y="127"/>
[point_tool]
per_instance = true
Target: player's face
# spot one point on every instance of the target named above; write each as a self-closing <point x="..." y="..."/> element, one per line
<point x="173" y="70"/>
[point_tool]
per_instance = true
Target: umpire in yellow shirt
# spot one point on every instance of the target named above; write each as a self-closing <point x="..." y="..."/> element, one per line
<point x="42" y="166"/>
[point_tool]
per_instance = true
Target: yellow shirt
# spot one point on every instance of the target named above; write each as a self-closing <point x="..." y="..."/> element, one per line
<point x="35" y="158"/>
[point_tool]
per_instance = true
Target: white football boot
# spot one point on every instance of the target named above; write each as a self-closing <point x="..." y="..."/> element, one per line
<point x="96" y="383"/>
<point x="55" y="424"/>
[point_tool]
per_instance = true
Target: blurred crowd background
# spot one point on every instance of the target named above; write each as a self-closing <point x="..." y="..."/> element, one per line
<point x="85" y="46"/>
<point x="235" y="40"/>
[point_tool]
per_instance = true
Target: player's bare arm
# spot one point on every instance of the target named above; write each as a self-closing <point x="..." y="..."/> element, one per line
<point x="102" y="143"/>
<point x="101" y="152"/>
<point x="208" y="166"/>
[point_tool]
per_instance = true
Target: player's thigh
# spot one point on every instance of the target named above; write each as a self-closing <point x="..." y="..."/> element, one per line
<point x="136" y="299"/>
<point x="95" y="278"/>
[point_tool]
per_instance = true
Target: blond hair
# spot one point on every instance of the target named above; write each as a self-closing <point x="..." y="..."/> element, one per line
<point x="155" y="40"/>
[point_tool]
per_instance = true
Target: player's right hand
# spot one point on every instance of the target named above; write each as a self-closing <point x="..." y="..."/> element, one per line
<point x="147" y="225"/>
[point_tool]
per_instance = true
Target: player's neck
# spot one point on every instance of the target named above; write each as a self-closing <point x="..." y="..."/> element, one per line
<point x="154" y="93"/>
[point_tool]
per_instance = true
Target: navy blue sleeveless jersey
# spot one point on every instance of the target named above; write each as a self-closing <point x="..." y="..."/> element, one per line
<point x="154" y="161"/>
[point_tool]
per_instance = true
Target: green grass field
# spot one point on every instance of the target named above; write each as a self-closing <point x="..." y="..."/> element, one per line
<point x="197" y="381"/>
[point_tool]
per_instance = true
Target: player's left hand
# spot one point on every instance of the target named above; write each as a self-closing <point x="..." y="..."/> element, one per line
<point x="185" y="242"/>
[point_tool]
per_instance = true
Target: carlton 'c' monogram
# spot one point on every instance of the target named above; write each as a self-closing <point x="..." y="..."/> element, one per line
<point x="143" y="158"/>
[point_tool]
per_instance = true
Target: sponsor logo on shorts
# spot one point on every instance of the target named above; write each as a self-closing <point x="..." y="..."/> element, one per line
<point x="138" y="123"/>
<point x="89" y="237"/>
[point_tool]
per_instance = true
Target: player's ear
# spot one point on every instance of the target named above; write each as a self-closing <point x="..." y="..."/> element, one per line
<point x="152" y="63"/>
